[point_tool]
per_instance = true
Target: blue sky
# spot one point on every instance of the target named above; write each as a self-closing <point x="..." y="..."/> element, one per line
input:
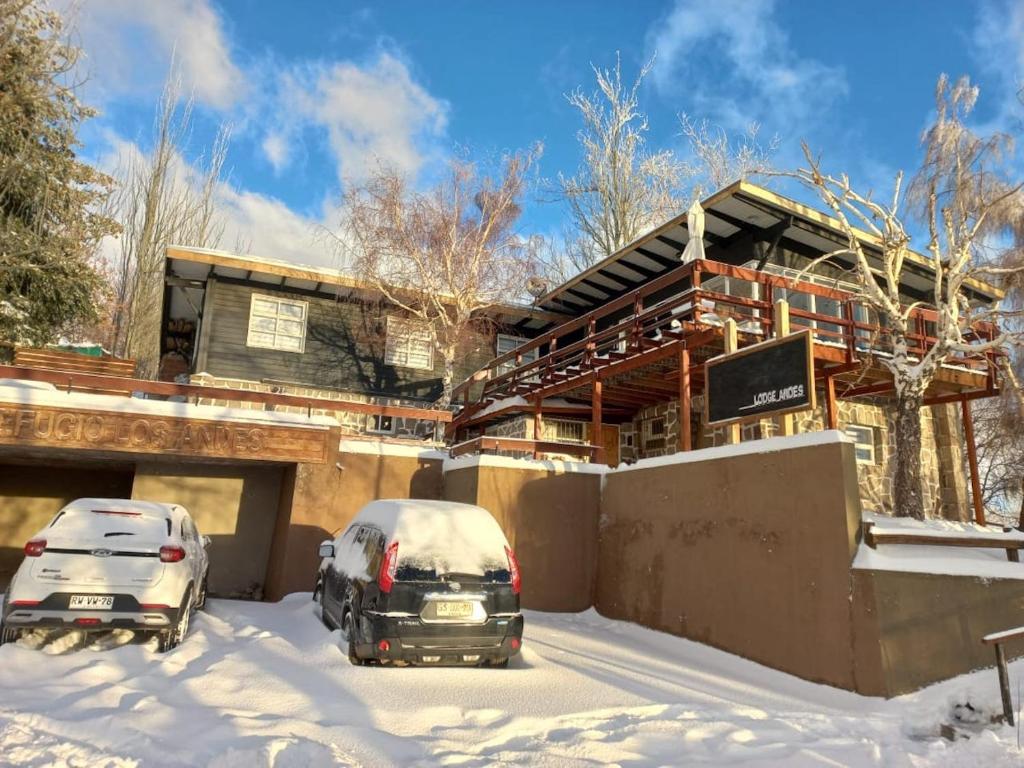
<point x="316" y="91"/>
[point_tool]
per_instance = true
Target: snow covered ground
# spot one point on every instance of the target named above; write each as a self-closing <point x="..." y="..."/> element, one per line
<point x="266" y="685"/>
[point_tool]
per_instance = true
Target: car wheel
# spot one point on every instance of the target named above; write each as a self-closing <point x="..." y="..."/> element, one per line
<point x="347" y="630"/>
<point x="171" y="638"/>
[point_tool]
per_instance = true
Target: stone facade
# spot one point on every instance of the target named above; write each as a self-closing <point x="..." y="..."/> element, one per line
<point x="521" y="427"/>
<point x="351" y="423"/>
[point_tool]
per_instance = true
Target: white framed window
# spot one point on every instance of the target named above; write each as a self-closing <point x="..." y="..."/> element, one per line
<point x="653" y="429"/>
<point x="563" y="431"/>
<point x="380" y="425"/>
<point x="276" y="323"/>
<point x="506" y="343"/>
<point x="409" y="344"/>
<point x="865" y="439"/>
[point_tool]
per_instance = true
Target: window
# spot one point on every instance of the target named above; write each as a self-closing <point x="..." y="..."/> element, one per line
<point x="654" y="428"/>
<point x="409" y="345"/>
<point x="865" y="438"/>
<point x="507" y="343"/>
<point x="381" y="425"/>
<point x="563" y="431"/>
<point x="277" y="323"/>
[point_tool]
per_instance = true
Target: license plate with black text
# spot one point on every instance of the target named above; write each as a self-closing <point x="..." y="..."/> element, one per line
<point x="91" y="602"/>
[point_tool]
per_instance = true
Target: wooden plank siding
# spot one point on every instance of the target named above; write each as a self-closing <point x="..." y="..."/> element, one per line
<point x="344" y="347"/>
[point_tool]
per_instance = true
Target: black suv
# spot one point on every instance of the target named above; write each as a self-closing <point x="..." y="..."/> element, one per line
<point x="422" y="582"/>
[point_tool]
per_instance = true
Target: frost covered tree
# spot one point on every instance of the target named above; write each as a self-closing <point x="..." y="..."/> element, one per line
<point x="621" y="188"/>
<point x="722" y="158"/>
<point x="161" y="201"/>
<point x="964" y="194"/>
<point x="50" y="201"/>
<point x="443" y="255"/>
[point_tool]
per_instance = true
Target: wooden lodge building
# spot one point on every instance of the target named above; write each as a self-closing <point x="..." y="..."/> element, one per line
<point x="290" y="396"/>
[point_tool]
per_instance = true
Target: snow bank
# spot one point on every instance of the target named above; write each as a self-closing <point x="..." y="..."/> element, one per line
<point x="259" y="684"/>
<point x="50" y="397"/>
<point x="440" y="535"/>
<point x="951" y="561"/>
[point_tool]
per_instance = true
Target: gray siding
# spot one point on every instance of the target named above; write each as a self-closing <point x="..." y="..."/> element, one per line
<point x="344" y="347"/>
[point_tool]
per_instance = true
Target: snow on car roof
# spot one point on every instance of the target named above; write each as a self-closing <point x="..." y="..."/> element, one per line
<point x="126" y="506"/>
<point x="456" y="537"/>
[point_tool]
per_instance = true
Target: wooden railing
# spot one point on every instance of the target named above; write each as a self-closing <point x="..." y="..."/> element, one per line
<point x="874" y="536"/>
<point x="700" y="294"/>
<point x="74" y="381"/>
<point x="521" y="445"/>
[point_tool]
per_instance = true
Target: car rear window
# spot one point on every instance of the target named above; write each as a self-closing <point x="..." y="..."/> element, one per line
<point x="422" y="571"/>
<point x="108" y="525"/>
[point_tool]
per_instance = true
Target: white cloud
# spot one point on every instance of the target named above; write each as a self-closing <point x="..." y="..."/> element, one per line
<point x="276" y="149"/>
<point x="733" y="63"/>
<point x="129" y="45"/>
<point x="998" y="46"/>
<point x="372" y="113"/>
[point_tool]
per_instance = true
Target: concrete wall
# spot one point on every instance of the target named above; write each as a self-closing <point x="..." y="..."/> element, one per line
<point x="749" y="553"/>
<point x="31" y="495"/>
<point x="914" y="629"/>
<point x="317" y="501"/>
<point x="236" y="506"/>
<point x="550" y="517"/>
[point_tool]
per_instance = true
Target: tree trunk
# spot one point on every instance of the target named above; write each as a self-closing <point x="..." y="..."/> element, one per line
<point x="907" y="497"/>
<point x="1020" y="515"/>
<point x="447" y="378"/>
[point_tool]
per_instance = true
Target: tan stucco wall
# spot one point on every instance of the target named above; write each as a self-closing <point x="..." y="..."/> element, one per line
<point x="748" y="553"/>
<point x="928" y="627"/>
<point x="31" y="495"/>
<point x="235" y="506"/>
<point x="317" y="501"/>
<point x="550" y="519"/>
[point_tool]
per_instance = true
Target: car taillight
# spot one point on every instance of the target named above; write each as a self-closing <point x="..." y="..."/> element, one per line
<point x="24" y="603"/>
<point x="388" y="567"/>
<point x="169" y="554"/>
<point x="513" y="568"/>
<point x="35" y="547"/>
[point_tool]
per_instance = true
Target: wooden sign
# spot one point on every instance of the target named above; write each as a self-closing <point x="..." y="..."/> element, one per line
<point x="53" y="427"/>
<point x="764" y="379"/>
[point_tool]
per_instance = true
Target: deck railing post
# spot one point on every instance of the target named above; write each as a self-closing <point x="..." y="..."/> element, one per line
<point x="595" y="422"/>
<point x="780" y="324"/>
<point x="684" y="399"/>
<point x="732" y="431"/>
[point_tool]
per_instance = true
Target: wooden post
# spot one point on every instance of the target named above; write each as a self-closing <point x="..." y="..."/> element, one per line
<point x="538" y="426"/>
<point x="732" y="431"/>
<point x="1004" y="684"/>
<point x="595" y="423"/>
<point x="684" y="399"/>
<point x="831" y="416"/>
<point x="972" y="462"/>
<point x="780" y="326"/>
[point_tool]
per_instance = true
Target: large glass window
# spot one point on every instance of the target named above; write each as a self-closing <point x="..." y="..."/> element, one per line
<point x="507" y="343"/>
<point x="865" y="439"/>
<point x="276" y="323"/>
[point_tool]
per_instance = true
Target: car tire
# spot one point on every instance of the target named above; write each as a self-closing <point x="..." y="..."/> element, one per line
<point x="171" y="638"/>
<point x="347" y="629"/>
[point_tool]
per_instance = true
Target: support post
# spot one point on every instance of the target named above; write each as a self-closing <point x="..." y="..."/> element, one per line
<point x="684" y="399"/>
<point x="732" y="431"/>
<point x="831" y="415"/>
<point x="972" y="461"/>
<point x="780" y="326"/>
<point x="538" y="426"/>
<point x="595" y="423"/>
<point x="1004" y="684"/>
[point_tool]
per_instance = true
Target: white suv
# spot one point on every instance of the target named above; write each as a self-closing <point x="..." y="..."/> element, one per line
<point x="106" y="564"/>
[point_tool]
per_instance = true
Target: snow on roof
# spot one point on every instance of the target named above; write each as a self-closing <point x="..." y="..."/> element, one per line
<point x="518" y="402"/>
<point x="952" y="561"/>
<point x="451" y="537"/>
<point x="20" y="392"/>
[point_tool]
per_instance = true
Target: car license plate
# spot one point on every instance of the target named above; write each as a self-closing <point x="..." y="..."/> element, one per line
<point x="462" y="609"/>
<point x="92" y="602"/>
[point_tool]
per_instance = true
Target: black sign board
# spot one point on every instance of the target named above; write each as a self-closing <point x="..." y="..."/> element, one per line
<point x="768" y="378"/>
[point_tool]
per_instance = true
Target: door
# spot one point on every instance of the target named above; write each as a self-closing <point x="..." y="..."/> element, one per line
<point x="610" y="443"/>
<point x="335" y="575"/>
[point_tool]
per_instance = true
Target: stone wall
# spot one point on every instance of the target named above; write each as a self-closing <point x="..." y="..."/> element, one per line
<point x="521" y="427"/>
<point x="351" y="423"/>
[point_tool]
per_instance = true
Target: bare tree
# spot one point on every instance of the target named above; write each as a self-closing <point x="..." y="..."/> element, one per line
<point x="160" y="201"/>
<point x="621" y="189"/>
<point x="445" y="255"/>
<point x="723" y="159"/>
<point x="964" y="194"/>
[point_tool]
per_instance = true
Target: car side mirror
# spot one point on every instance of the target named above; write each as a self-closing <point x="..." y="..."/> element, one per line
<point x="206" y="541"/>
<point x="327" y="549"/>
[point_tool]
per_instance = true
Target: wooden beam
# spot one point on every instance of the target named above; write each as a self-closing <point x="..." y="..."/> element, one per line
<point x="538" y="425"/>
<point x="657" y="258"/>
<point x="831" y="415"/>
<point x="732" y="431"/>
<point x="684" y="399"/>
<point x="595" y="422"/>
<point x="780" y="325"/>
<point x="972" y="461"/>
